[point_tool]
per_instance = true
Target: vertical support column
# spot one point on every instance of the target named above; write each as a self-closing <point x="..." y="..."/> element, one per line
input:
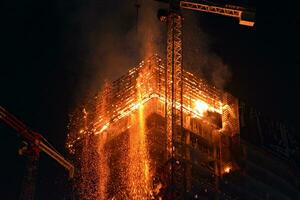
<point x="29" y="181"/>
<point x="173" y="85"/>
<point x="173" y="72"/>
<point x="188" y="173"/>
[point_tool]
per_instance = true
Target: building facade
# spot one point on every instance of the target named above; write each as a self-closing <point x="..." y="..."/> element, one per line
<point x="120" y="143"/>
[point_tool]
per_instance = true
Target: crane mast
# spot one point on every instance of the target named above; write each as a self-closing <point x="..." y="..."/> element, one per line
<point x="173" y="86"/>
<point x="174" y="77"/>
<point x="35" y="143"/>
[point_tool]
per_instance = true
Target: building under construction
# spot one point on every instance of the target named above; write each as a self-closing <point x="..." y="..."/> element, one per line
<point x="121" y="144"/>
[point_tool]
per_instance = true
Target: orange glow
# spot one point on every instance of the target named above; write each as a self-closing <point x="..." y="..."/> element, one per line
<point x="103" y="169"/>
<point x="138" y="179"/>
<point x="201" y="107"/>
<point x="227" y="169"/>
<point x="121" y="109"/>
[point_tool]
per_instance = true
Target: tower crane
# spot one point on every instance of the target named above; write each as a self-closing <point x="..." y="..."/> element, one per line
<point x="174" y="63"/>
<point x="35" y="143"/>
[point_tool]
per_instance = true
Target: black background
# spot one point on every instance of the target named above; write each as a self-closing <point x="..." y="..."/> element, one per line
<point x="42" y="48"/>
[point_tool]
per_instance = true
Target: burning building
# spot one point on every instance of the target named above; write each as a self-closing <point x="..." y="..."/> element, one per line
<point x="120" y="143"/>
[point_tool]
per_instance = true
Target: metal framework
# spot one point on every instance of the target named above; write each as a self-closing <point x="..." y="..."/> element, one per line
<point x="211" y="9"/>
<point x="245" y="16"/>
<point x="209" y="157"/>
<point x="28" y="187"/>
<point x="173" y="82"/>
<point x="174" y="68"/>
<point x="118" y="101"/>
<point x="36" y="143"/>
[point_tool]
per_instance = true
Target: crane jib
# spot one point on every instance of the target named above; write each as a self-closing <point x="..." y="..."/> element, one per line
<point x="36" y="140"/>
<point x="245" y="15"/>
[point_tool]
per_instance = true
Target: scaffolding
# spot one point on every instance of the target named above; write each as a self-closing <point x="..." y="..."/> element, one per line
<point x="201" y="140"/>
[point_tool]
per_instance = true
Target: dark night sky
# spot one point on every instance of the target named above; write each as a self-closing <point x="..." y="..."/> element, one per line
<point x="43" y="70"/>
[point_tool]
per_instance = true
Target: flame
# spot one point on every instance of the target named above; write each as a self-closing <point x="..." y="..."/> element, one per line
<point x="201" y="107"/>
<point x="122" y="108"/>
<point x="227" y="169"/>
<point x="138" y="167"/>
<point x="103" y="168"/>
<point x="198" y="111"/>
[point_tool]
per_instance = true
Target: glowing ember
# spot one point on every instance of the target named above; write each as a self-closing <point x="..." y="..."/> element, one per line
<point x="112" y="135"/>
<point x="201" y="107"/>
<point x="138" y="166"/>
<point x="227" y="169"/>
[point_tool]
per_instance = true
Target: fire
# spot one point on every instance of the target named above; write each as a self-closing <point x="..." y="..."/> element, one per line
<point x="138" y="167"/>
<point x="122" y="108"/>
<point x="227" y="169"/>
<point x="201" y="107"/>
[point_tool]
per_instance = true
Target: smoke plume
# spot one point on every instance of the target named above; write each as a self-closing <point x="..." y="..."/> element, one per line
<point x="198" y="55"/>
<point x="114" y="38"/>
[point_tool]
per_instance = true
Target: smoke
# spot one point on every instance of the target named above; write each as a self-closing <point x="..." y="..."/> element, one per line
<point x="114" y="39"/>
<point x="151" y="30"/>
<point x="198" y="56"/>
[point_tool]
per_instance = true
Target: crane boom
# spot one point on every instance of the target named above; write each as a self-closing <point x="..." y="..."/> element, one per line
<point x="56" y="156"/>
<point x="245" y="17"/>
<point x="35" y="139"/>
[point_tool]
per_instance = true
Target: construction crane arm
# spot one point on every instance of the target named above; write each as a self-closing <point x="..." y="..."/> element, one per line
<point x="35" y="139"/>
<point x="56" y="156"/>
<point x="19" y="126"/>
<point x="245" y="17"/>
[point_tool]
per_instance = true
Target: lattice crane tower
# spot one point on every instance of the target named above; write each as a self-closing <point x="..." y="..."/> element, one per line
<point x="174" y="65"/>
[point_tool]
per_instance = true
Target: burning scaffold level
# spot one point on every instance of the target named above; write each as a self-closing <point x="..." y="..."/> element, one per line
<point x="129" y="114"/>
<point x="118" y="99"/>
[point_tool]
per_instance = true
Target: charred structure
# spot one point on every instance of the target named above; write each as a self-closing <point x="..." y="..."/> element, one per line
<point x="120" y="142"/>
